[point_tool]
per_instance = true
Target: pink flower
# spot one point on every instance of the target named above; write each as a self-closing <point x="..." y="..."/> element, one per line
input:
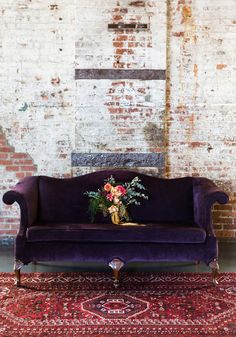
<point x="107" y="187"/>
<point x="109" y="197"/>
<point x="121" y="189"/>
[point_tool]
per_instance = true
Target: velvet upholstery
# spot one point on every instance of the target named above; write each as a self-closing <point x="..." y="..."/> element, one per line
<point x="55" y="223"/>
<point x="63" y="200"/>
<point x="174" y="233"/>
<point x="127" y="252"/>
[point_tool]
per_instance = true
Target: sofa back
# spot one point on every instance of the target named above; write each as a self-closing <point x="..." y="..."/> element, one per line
<point x="63" y="200"/>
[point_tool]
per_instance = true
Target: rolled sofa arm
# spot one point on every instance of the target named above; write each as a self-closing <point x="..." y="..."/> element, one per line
<point x="205" y="194"/>
<point x="25" y="193"/>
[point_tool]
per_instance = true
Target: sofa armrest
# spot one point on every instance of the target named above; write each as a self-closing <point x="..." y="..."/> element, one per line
<point x="25" y="193"/>
<point x="205" y="194"/>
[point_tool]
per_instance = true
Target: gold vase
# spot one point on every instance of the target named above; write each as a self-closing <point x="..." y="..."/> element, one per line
<point x="115" y="218"/>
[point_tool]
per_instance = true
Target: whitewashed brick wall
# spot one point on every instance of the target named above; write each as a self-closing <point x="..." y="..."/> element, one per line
<point x="202" y="98"/>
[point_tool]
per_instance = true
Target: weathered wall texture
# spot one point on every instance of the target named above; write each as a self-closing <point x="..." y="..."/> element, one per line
<point x="36" y="92"/>
<point x="120" y="115"/>
<point x="45" y="114"/>
<point x="201" y="107"/>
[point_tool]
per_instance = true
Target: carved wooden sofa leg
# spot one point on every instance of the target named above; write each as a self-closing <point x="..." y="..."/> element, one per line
<point x="17" y="267"/>
<point x="215" y="271"/>
<point x="116" y="265"/>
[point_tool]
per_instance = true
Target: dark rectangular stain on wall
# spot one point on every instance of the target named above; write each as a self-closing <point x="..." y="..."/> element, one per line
<point x="121" y="25"/>
<point x="118" y="159"/>
<point x="117" y="74"/>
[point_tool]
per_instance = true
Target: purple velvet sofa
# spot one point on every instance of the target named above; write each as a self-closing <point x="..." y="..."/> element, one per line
<point x="55" y="223"/>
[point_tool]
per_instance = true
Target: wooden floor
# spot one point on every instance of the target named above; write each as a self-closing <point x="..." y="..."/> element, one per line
<point x="227" y="262"/>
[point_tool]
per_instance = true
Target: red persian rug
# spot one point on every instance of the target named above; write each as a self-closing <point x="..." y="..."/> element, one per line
<point x="86" y="304"/>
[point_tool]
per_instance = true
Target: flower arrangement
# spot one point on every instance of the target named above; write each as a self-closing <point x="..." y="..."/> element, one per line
<point x="114" y="198"/>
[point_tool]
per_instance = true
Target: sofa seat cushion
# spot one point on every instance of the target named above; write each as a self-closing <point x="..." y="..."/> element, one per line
<point x="152" y="232"/>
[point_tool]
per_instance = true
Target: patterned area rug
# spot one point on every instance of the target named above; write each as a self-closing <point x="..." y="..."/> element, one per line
<point x="147" y="304"/>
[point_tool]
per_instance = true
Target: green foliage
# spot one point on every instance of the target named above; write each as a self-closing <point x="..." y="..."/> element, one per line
<point x="133" y="193"/>
<point x="97" y="203"/>
<point x="98" y="200"/>
<point x="111" y="181"/>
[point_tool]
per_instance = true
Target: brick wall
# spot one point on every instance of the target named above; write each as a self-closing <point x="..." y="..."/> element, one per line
<point x="14" y="166"/>
<point x="45" y="113"/>
<point x="37" y="97"/>
<point x="120" y="115"/>
<point x="201" y="109"/>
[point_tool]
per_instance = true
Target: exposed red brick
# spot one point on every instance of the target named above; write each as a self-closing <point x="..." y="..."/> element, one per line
<point x="178" y="34"/>
<point x="186" y="13"/>
<point x="27" y="168"/>
<point x="197" y="144"/>
<point x="118" y="44"/>
<point x="116" y="110"/>
<point x="6" y="149"/>
<point x="221" y="66"/>
<point x="19" y="155"/>
<point x="20" y="175"/>
<point x="7" y="232"/>
<point x="117" y="17"/>
<point x="225" y="233"/>
<point x="12" y="168"/>
<point x="229" y="227"/>
<point x="5" y="162"/>
<point x="225" y="208"/>
<point x="11" y="161"/>
<point x="121" y="38"/>
<point x="121" y="51"/>
<point x="23" y="162"/>
<point x="11" y="220"/>
<point x="118" y="84"/>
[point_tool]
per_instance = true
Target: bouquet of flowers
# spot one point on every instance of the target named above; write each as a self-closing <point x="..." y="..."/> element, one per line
<point x="114" y="198"/>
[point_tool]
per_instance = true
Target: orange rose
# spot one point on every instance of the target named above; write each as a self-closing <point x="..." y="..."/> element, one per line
<point x="107" y="187"/>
